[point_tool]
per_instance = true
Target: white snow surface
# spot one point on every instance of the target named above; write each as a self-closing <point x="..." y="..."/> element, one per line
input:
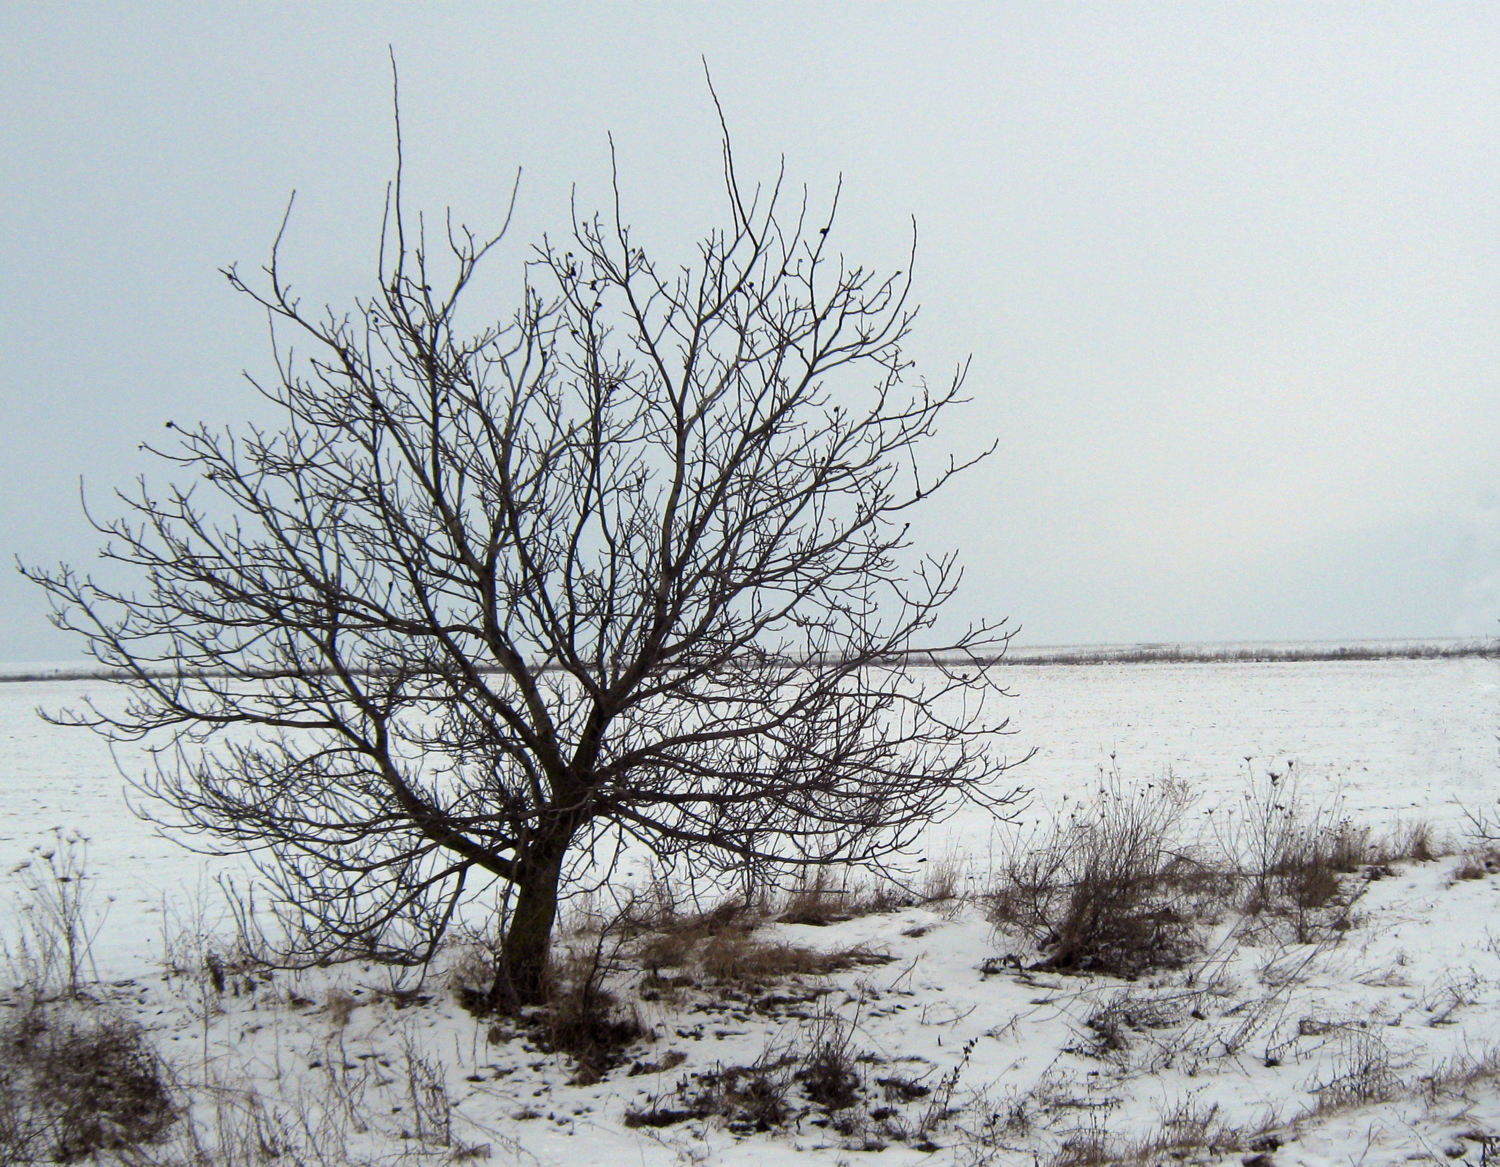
<point x="1372" y="1046"/>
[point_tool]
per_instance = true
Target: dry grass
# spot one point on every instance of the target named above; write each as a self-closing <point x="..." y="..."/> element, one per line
<point x="1188" y="1132"/>
<point x="76" y="1081"/>
<point x="819" y="903"/>
<point x="675" y="941"/>
<point x="1477" y="864"/>
<point x="748" y="1099"/>
<point x="1361" y="1074"/>
<point x="828" y="1074"/>
<point x="721" y="946"/>
<point x="1293" y="860"/>
<point x="820" y="1073"/>
<point x="748" y="960"/>
<point x="53" y="952"/>
<point x="945" y="884"/>
<point x="472" y="961"/>
<point x="824" y="901"/>
<point x="339" y="1006"/>
<point x="1109" y="889"/>
<point x="582" y="1018"/>
<point x="1413" y="842"/>
<point x="1305" y="884"/>
<point x="1117" y="888"/>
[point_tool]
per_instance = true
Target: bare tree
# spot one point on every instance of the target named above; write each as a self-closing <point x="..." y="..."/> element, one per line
<point x="626" y="570"/>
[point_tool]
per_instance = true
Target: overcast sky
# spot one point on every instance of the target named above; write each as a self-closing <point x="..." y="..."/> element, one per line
<point x="1229" y="273"/>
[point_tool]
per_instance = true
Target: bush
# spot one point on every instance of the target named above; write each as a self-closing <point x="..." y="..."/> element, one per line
<point x="828" y="1075"/>
<point x="1109" y="889"/>
<point x="585" y="1022"/>
<point x="73" y="1083"/>
<point x="580" y="1018"/>
<point x="1291" y="858"/>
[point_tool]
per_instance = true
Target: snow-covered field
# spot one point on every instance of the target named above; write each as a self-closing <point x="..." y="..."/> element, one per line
<point x="1260" y="1028"/>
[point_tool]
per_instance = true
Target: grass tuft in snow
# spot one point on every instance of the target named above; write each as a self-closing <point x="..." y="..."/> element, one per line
<point x="1110" y="888"/>
<point x="76" y="1080"/>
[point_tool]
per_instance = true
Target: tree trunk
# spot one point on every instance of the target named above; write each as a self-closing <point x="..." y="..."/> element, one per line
<point x="521" y="977"/>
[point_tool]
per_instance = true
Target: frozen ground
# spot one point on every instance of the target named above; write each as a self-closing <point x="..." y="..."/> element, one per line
<point x="1369" y="1046"/>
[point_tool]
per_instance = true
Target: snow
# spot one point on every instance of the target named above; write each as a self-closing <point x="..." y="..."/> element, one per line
<point x="1369" y="1046"/>
<point x="1398" y="738"/>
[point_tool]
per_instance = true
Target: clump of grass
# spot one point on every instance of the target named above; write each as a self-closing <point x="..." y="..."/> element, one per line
<point x="1187" y="1131"/>
<point x="943" y="880"/>
<point x="583" y="1019"/>
<point x="828" y="1075"/>
<point x="75" y="1079"/>
<point x="671" y="940"/>
<point x="1117" y="888"/>
<point x="721" y="946"/>
<point x="819" y="902"/>
<point x="1482" y="856"/>
<point x="1361" y="1074"/>
<point x="823" y="1074"/>
<point x="1476" y="865"/>
<point x="750" y="961"/>
<point x="1414" y="842"/>
<point x="75" y="1082"/>
<point x="1292" y="859"/>
<point x="1110" y="889"/>
<point x="1085" y="1149"/>
<point x="472" y="961"/>
<point x="339" y="1006"/>
<point x="1306" y="875"/>
<point x="58" y="918"/>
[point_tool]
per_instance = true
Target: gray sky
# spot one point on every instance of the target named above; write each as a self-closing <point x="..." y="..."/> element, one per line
<point x="1230" y="273"/>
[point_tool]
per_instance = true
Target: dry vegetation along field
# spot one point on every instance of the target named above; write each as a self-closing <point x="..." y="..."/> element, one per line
<point x="1176" y="955"/>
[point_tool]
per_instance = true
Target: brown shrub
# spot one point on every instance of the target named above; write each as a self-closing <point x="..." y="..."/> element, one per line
<point x="1110" y="888"/>
<point x="74" y="1082"/>
<point x="1477" y="864"/>
<point x="721" y="945"/>
<point x="1292" y="859"/>
<point x="583" y="1020"/>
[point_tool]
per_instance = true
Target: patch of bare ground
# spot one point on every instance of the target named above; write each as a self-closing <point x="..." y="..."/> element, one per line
<point x="818" y="1080"/>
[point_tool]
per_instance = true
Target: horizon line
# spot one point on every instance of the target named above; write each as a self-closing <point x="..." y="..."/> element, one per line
<point x="1125" y="652"/>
